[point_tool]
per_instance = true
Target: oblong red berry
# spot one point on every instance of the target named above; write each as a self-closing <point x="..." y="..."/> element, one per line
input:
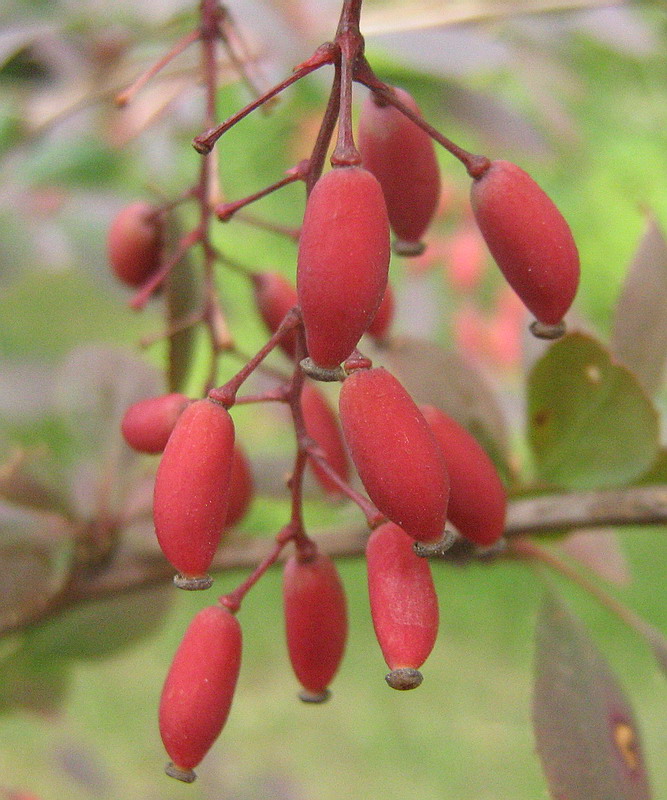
<point x="379" y="327"/>
<point x="315" y="622"/>
<point x="402" y="157"/>
<point x="274" y="297"/>
<point x="404" y="605"/>
<point x="322" y="426"/>
<point x="192" y="487"/>
<point x="147" y="424"/>
<point x="393" y="448"/>
<point x="477" y="498"/>
<point x="529" y="239"/>
<point x="342" y="262"/>
<point x="199" y="688"/>
<point x="240" y="488"/>
<point x="134" y="243"/>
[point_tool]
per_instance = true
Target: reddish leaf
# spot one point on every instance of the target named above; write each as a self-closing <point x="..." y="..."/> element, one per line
<point x="639" y="338"/>
<point x="586" y="734"/>
<point x="601" y="552"/>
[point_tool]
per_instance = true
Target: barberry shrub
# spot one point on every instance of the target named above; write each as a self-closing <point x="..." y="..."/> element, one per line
<point x="77" y="528"/>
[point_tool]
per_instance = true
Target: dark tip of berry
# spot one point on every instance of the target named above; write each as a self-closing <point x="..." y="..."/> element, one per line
<point x="193" y="584"/>
<point x="435" y="549"/>
<point x="185" y="775"/>
<point x="404" y="678"/>
<point x="318" y="373"/>
<point x="314" y="697"/>
<point x="543" y="331"/>
<point x="408" y="249"/>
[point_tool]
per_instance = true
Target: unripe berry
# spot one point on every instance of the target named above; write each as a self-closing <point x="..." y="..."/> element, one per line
<point x="529" y="239"/>
<point x="384" y="317"/>
<point x="402" y="157"/>
<point x="322" y="426"/>
<point x="240" y="488"/>
<point x="275" y="296"/>
<point x="147" y="424"/>
<point x="404" y="605"/>
<point x="315" y="622"/>
<point x="342" y="263"/>
<point x="192" y="489"/>
<point x="134" y="243"/>
<point x="199" y="689"/>
<point x="477" y="499"/>
<point x="397" y="457"/>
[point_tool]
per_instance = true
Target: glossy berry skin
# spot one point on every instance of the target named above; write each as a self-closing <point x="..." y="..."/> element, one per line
<point x="147" y="425"/>
<point x="199" y="687"/>
<point x="192" y="487"/>
<point x="384" y="317"/>
<point x="529" y="239"/>
<point x="393" y="448"/>
<point x="322" y="426"/>
<point x="402" y="158"/>
<point x="342" y="262"/>
<point x="274" y="297"/>
<point x="477" y="499"/>
<point x="315" y="622"/>
<point x="134" y="244"/>
<point x="404" y="605"/>
<point x="240" y="488"/>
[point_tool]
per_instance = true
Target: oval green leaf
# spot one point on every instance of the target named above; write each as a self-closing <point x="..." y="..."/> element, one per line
<point x="590" y="424"/>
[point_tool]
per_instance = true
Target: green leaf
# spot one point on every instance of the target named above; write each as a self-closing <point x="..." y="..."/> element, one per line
<point x="590" y="424"/>
<point x="183" y="299"/>
<point x="98" y="630"/>
<point x="586" y="734"/>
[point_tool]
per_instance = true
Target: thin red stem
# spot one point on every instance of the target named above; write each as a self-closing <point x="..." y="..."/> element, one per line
<point x="226" y="394"/>
<point x="226" y="211"/>
<point x="475" y="164"/>
<point x="325" y="54"/>
<point x="144" y="294"/>
<point x="182" y="44"/>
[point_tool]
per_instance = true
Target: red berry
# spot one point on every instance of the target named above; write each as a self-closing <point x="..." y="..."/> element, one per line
<point x="477" y="499"/>
<point x="322" y="426"/>
<point x="529" y="239"/>
<point x="199" y="689"/>
<point x="315" y="622"/>
<point x="343" y="262"/>
<point x="402" y="157"/>
<point x="397" y="457"/>
<point x="147" y="425"/>
<point x="134" y="243"/>
<point x="192" y="487"/>
<point x="240" y="488"/>
<point x="275" y="296"/>
<point x="404" y="605"/>
<point x="379" y="328"/>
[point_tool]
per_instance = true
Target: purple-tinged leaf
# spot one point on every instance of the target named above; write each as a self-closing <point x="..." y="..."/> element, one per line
<point x="600" y="551"/>
<point x="93" y="390"/>
<point x="35" y="556"/>
<point x="639" y="337"/>
<point x="586" y="733"/>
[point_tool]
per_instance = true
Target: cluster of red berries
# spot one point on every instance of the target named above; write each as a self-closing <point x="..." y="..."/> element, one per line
<point x="418" y="466"/>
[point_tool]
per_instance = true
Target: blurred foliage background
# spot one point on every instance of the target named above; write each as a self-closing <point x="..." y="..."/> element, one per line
<point x="575" y="93"/>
